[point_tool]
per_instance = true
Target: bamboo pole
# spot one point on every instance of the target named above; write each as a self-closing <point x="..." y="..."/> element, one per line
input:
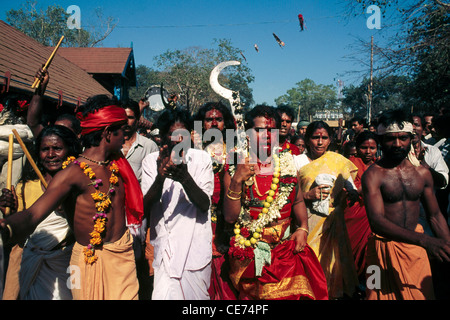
<point x="47" y="64"/>
<point x="10" y="165"/>
<point x="30" y="158"/>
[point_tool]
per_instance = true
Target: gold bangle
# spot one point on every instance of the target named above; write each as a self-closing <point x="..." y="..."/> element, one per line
<point x="4" y="224"/>
<point x="229" y="190"/>
<point x="10" y="230"/>
<point x="233" y="198"/>
<point x="304" y="229"/>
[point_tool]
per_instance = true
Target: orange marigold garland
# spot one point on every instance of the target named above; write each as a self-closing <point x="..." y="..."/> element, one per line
<point x="102" y="204"/>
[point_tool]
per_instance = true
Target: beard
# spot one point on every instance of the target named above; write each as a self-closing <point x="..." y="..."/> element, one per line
<point x="395" y="154"/>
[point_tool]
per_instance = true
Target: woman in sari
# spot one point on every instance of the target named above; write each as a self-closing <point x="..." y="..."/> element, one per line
<point x="326" y="179"/>
<point x="38" y="267"/>
<point x="269" y="254"/>
<point x="358" y="227"/>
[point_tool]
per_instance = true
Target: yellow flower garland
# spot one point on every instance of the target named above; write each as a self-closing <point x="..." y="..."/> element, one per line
<point x="276" y="199"/>
<point x="102" y="204"/>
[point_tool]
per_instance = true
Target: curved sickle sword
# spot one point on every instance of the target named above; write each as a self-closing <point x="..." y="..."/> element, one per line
<point x="235" y="102"/>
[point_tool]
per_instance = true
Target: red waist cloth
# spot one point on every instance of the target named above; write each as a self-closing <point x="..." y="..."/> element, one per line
<point x="289" y="276"/>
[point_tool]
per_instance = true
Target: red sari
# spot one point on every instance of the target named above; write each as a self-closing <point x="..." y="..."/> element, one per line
<point x="289" y="276"/>
<point x="358" y="227"/>
<point x="220" y="287"/>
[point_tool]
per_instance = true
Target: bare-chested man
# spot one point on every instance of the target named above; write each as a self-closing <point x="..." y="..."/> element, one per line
<point x="393" y="189"/>
<point x="98" y="191"/>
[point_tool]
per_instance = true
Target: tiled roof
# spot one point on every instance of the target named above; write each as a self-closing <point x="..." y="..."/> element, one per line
<point x="22" y="56"/>
<point x="98" y="60"/>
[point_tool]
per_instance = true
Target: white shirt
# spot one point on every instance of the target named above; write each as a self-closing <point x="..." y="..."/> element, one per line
<point x="179" y="232"/>
<point x="140" y="148"/>
<point x="433" y="157"/>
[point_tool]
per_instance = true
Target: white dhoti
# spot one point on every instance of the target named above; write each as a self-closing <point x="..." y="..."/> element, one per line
<point x="44" y="269"/>
<point x="192" y="285"/>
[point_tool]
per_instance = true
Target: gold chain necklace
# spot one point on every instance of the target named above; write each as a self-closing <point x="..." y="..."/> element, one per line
<point x="101" y="163"/>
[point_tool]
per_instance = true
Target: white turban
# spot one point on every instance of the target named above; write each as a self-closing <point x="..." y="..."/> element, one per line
<point x="407" y="127"/>
<point x="394" y="127"/>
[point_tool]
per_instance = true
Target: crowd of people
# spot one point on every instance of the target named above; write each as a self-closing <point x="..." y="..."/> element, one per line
<point x="177" y="212"/>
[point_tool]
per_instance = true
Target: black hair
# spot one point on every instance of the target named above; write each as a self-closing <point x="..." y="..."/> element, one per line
<point x="360" y="120"/>
<point x="296" y="137"/>
<point x="389" y="117"/>
<point x="69" y="138"/>
<point x="421" y="117"/>
<point x="262" y="110"/>
<point x="74" y="122"/>
<point x="283" y="108"/>
<point x="227" y="115"/>
<point x="169" y="117"/>
<point x="133" y="106"/>
<point x="364" y="136"/>
<point x="313" y="126"/>
<point x="347" y="147"/>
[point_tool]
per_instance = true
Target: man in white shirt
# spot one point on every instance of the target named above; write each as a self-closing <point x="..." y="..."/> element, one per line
<point x="177" y="197"/>
<point x="429" y="155"/>
<point x="136" y="146"/>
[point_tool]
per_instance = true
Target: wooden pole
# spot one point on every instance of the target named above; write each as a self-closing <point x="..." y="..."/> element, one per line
<point x="369" y="111"/>
<point x="47" y="64"/>
<point x="30" y="158"/>
<point x="10" y="165"/>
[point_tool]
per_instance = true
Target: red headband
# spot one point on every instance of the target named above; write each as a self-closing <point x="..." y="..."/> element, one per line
<point x="106" y="116"/>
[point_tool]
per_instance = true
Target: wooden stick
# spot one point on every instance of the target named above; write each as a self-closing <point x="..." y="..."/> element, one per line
<point x="47" y="64"/>
<point x="10" y="164"/>
<point x="30" y="158"/>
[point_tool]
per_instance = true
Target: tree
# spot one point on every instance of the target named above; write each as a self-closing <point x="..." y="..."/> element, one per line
<point x="310" y="97"/>
<point x="47" y="26"/>
<point x="392" y="92"/>
<point x="420" y="48"/>
<point x="187" y="72"/>
<point x="145" y="78"/>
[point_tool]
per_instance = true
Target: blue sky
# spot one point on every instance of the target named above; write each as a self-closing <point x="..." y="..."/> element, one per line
<point x="320" y="52"/>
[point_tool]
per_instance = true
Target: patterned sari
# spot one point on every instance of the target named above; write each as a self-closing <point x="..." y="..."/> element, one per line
<point x="328" y="234"/>
<point x="282" y="275"/>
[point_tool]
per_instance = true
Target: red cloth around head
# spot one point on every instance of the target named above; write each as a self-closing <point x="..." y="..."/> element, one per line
<point x="98" y="120"/>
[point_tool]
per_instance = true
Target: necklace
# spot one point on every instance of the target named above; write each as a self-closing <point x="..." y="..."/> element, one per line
<point x="102" y="201"/>
<point x="248" y="227"/>
<point x="101" y="163"/>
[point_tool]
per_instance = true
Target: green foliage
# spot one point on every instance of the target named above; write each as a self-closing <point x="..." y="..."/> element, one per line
<point x="392" y="92"/>
<point x="187" y="72"/>
<point x="310" y="97"/>
<point x="47" y="26"/>
<point x="145" y="77"/>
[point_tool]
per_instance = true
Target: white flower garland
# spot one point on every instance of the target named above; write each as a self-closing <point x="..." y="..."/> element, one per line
<point x="284" y="167"/>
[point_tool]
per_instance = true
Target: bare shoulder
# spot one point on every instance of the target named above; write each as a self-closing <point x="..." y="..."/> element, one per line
<point x="71" y="175"/>
<point x="373" y="173"/>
